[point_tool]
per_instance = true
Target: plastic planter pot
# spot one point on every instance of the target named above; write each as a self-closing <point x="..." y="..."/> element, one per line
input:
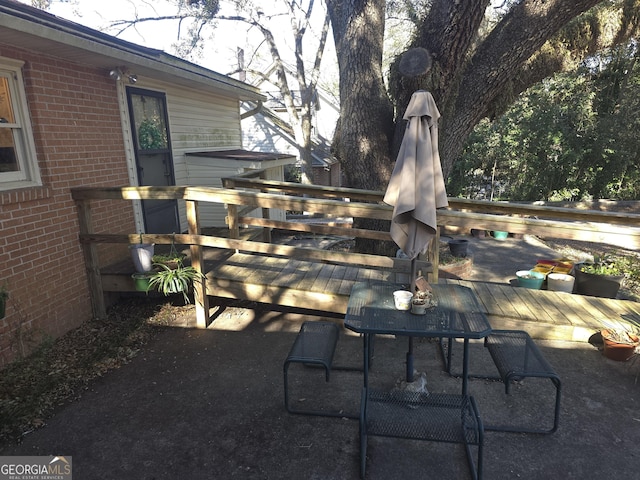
<point x="141" y="281"/>
<point x="530" y="279"/>
<point x="499" y="235"/>
<point x="459" y="247"/>
<point x="560" y="282"/>
<point x="617" y="350"/>
<point x="142" y="256"/>
<point x="605" y="286"/>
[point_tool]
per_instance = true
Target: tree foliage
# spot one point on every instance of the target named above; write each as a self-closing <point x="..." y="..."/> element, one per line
<point x="568" y="138"/>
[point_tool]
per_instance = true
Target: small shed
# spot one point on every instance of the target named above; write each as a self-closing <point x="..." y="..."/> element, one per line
<point x="209" y="168"/>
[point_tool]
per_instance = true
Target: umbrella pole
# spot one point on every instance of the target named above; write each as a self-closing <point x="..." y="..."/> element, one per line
<point x="410" y="361"/>
<point x="410" y="351"/>
<point x="413" y="274"/>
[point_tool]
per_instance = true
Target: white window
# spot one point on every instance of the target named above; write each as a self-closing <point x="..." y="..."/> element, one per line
<point x="18" y="162"/>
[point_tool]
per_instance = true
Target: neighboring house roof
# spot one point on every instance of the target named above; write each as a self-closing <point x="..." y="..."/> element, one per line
<point x="38" y="30"/>
<point x="321" y="149"/>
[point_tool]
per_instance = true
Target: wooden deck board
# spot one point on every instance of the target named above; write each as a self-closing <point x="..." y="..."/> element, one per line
<point x="348" y="280"/>
<point x="334" y="283"/>
<point x="321" y="281"/>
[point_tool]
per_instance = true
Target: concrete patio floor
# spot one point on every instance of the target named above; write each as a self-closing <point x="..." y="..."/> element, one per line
<point x="208" y="404"/>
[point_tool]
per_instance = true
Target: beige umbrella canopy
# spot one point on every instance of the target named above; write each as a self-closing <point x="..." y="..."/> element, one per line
<point x="416" y="188"/>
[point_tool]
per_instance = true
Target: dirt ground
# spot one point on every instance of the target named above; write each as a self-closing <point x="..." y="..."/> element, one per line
<point x="208" y="404"/>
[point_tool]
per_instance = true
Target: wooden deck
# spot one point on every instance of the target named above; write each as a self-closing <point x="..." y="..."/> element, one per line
<point x="283" y="281"/>
<point x="551" y="315"/>
<point x="324" y="287"/>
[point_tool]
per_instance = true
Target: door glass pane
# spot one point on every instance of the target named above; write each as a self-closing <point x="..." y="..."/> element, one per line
<point x="150" y="127"/>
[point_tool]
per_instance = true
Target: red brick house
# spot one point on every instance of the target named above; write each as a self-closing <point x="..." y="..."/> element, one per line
<point x="81" y="108"/>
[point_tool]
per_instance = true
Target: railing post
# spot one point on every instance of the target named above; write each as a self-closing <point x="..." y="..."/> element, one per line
<point x="197" y="261"/>
<point x="232" y="221"/>
<point x="232" y="211"/>
<point x="266" y="213"/>
<point x="91" y="261"/>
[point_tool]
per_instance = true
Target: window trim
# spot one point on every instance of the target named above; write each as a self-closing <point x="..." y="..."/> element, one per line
<point x="29" y="173"/>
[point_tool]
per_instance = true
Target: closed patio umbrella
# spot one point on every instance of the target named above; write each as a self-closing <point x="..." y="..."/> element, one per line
<point x="416" y="188"/>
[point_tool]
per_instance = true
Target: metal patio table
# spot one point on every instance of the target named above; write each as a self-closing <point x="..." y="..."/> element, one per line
<point x="371" y="310"/>
<point x="415" y="415"/>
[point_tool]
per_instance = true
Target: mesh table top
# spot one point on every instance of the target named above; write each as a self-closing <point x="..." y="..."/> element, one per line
<point x="371" y="309"/>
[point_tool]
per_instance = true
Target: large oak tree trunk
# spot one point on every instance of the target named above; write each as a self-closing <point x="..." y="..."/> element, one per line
<point x="366" y="121"/>
<point x="365" y="127"/>
<point x="471" y="78"/>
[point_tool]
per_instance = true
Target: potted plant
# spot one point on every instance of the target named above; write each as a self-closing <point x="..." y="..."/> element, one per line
<point x="4" y="296"/>
<point x="169" y="280"/>
<point x="173" y="259"/>
<point x="141" y="281"/>
<point x="142" y="256"/>
<point x="600" y="278"/>
<point x="422" y="300"/>
<point x="619" y="345"/>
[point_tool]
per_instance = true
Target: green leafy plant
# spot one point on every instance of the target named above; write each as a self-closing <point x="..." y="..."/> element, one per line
<point x="630" y="264"/>
<point x="169" y="280"/>
<point x="173" y="259"/>
<point x="601" y="266"/>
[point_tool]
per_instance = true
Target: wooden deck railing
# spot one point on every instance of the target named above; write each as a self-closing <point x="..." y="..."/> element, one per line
<point x="616" y="228"/>
<point x="235" y="200"/>
<point x="241" y="196"/>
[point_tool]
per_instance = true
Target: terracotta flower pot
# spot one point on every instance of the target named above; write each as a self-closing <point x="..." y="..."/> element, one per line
<point x="616" y="350"/>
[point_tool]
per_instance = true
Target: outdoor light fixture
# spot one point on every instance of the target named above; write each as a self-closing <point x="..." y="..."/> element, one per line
<point x="118" y="73"/>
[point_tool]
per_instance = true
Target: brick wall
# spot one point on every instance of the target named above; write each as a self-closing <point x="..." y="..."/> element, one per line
<point x="78" y="137"/>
